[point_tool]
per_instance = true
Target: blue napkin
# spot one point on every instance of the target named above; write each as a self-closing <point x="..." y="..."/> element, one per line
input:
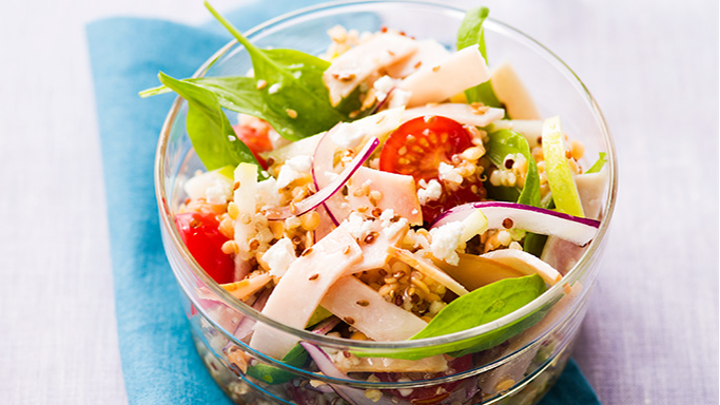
<point x="159" y="361"/>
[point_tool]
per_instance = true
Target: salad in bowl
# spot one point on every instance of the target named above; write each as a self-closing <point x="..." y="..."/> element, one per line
<point x="386" y="221"/>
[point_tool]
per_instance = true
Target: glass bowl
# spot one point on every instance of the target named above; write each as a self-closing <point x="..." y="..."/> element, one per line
<point x="518" y="371"/>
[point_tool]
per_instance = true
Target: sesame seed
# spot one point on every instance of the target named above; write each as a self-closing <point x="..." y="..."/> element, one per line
<point x="363" y="303"/>
<point x="371" y="237"/>
<point x="307" y="251"/>
<point x="291" y="113"/>
<point x="261" y="84"/>
<point x="314" y="277"/>
<point x="349" y="320"/>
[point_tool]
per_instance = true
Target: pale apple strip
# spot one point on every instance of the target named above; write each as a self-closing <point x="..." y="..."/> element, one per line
<point x="429" y="53"/>
<point x="301" y="289"/>
<point x="367" y="311"/>
<point x="428" y="269"/>
<point x="462" y="113"/>
<point x="351" y="68"/>
<point x="244" y="199"/>
<point x="510" y="90"/>
<point x="397" y="192"/>
<point x="526" y="263"/>
<point x="460" y="71"/>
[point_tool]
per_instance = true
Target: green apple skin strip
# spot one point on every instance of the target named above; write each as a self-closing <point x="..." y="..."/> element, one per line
<point x="560" y="179"/>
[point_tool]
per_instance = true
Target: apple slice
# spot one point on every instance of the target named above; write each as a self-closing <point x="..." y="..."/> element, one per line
<point x="560" y="179"/>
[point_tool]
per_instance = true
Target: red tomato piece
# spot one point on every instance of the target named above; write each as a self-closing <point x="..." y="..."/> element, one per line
<point x="417" y="148"/>
<point x="204" y="240"/>
<point x="256" y="139"/>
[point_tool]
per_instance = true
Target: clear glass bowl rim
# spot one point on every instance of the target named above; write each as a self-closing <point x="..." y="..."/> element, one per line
<point x="552" y="293"/>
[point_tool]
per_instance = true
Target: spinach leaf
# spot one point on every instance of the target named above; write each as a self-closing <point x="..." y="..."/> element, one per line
<point x="598" y="165"/>
<point x="209" y="129"/>
<point x="296" y="357"/>
<point x="534" y="243"/>
<point x="505" y="142"/>
<point x="471" y="33"/>
<point x="290" y="83"/>
<point x="501" y="193"/>
<point x="479" y="307"/>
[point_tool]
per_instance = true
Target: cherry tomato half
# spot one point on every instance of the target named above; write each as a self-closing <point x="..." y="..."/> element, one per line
<point x="255" y="139"/>
<point x="203" y="239"/>
<point x="417" y="148"/>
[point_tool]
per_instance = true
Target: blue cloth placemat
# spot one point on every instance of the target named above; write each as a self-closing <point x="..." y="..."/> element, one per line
<point x="159" y="361"/>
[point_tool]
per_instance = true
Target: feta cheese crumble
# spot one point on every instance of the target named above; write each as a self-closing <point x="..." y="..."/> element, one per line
<point x="445" y="240"/>
<point x="218" y="192"/>
<point x="279" y="257"/>
<point x="358" y="227"/>
<point x="429" y="191"/>
<point x="383" y="86"/>
<point x="267" y="195"/>
<point x="294" y="168"/>
<point x="390" y="228"/>
<point x="449" y="173"/>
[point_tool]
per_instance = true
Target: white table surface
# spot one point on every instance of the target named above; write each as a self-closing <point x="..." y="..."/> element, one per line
<point x="651" y="335"/>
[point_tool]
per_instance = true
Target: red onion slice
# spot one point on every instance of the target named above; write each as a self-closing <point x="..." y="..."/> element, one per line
<point x="354" y="396"/>
<point x="505" y="215"/>
<point x="324" y="327"/>
<point x="329" y="190"/>
<point x="322" y="172"/>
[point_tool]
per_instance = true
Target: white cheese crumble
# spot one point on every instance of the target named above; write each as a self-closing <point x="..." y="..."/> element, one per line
<point x="383" y="86"/>
<point x="348" y="136"/>
<point x="429" y="191"/>
<point x="386" y="217"/>
<point x="218" y="192"/>
<point x="294" y="168"/>
<point x="390" y="228"/>
<point x="449" y="173"/>
<point x="399" y="98"/>
<point x="358" y="227"/>
<point x="279" y="257"/>
<point x="300" y="163"/>
<point x="445" y="240"/>
<point x="266" y="194"/>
